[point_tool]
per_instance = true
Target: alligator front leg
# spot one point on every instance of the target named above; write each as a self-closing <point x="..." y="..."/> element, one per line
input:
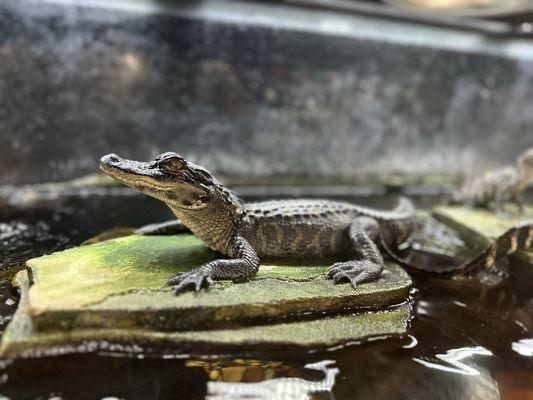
<point x="172" y="227"/>
<point x="244" y="264"/>
<point x="362" y="232"/>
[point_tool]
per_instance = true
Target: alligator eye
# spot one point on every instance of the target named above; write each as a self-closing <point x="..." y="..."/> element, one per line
<point x="172" y="164"/>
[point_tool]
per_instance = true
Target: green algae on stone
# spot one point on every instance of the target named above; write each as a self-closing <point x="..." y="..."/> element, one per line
<point x="478" y="227"/>
<point x="84" y="275"/>
<point x="22" y="340"/>
<point x="122" y="283"/>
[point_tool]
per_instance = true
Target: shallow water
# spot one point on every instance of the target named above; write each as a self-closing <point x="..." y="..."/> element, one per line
<point x="466" y="340"/>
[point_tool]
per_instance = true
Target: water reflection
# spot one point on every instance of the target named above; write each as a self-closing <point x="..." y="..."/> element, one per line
<point x="523" y="347"/>
<point x="254" y="379"/>
<point x="446" y="356"/>
<point x="452" y="360"/>
<point x="462" y="361"/>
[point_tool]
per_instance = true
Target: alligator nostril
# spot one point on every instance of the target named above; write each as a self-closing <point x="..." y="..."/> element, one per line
<point x="113" y="158"/>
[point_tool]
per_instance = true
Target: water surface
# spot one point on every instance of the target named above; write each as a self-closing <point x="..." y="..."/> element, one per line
<point x="468" y="339"/>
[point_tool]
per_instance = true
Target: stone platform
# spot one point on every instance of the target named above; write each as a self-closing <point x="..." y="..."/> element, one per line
<point x="112" y="296"/>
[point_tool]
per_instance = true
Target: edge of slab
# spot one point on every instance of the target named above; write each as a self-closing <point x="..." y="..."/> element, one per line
<point x="21" y="340"/>
<point x="171" y="318"/>
<point x="111" y="285"/>
<point x="341" y="330"/>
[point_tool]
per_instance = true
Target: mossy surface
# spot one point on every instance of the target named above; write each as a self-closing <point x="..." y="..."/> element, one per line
<point x="22" y="340"/>
<point x="122" y="282"/>
<point x="86" y="275"/>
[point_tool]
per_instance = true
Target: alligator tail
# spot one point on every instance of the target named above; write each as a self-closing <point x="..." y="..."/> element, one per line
<point x="405" y="208"/>
<point x="517" y="238"/>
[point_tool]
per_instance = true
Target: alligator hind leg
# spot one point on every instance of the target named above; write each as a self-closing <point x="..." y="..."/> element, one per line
<point x="163" y="228"/>
<point x="362" y="232"/>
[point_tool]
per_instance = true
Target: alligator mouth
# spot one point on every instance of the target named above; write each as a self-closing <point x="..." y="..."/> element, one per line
<point x="133" y="173"/>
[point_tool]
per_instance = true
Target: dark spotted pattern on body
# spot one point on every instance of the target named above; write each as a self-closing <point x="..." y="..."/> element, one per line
<point x="294" y="228"/>
<point x="516" y="238"/>
<point x="309" y="228"/>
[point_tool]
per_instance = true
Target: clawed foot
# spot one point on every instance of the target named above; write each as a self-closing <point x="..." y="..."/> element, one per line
<point x="197" y="277"/>
<point x="354" y="272"/>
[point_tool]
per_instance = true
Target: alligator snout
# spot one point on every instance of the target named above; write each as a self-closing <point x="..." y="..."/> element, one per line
<point x="110" y="159"/>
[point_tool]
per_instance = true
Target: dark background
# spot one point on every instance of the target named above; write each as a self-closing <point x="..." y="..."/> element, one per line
<point x="256" y="92"/>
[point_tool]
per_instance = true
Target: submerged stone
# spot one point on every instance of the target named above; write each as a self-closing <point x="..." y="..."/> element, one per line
<point x="478" y="227"/>
<point x="116" y="291"/>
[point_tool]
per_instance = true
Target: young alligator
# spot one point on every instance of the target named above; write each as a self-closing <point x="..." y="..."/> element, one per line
<point x="247" y="232"/>
<point x="495" y="187"/>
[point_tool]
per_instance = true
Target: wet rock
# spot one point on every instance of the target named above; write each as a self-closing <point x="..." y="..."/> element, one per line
<point x="116" y="291"/>
<point x="93" y="285"/>
<point x="21" y="339"/>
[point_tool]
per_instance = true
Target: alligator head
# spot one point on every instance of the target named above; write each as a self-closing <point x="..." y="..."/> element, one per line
<point x="169" y="177"/>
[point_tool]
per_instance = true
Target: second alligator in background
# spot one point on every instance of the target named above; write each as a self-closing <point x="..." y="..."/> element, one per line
<point x="496" y="187"/>
<point x="295" y="228"/>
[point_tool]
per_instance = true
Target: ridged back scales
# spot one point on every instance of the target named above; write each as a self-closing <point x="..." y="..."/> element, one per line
<point x="310" y="228"/>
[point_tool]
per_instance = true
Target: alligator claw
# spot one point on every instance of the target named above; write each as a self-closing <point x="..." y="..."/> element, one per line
<point x="175" y="279"/>
<point x="354" y="272"/>
<point x="339" y="277"/>
<point x="195" y="277"/>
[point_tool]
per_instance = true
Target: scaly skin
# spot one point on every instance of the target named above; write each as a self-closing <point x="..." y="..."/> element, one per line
<point x="496" y="187"/>
<point x="293" y="228"/>
<point x="248" y="232"/>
